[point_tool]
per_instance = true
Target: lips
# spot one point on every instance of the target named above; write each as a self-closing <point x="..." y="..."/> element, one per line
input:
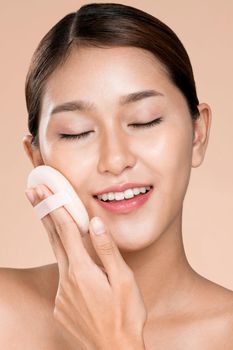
<point x="120" y="188"/>
<point x="126" y="206"/>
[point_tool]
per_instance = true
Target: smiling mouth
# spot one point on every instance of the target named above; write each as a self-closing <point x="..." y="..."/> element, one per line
<point x="126" y="205"/>
<point x="124" y="199"/>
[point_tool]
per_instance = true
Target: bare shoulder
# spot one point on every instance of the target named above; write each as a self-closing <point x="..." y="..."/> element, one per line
<point x="226" y="317"/>
<point x="218" y="313"/>
<point x="217" y="297"/>
<point x="25" y="298"/>
<point x="223" y="325"/>
<point x="18" y="283"/>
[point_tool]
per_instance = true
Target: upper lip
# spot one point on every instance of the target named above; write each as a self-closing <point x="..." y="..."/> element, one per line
<point x="120" y="188"/>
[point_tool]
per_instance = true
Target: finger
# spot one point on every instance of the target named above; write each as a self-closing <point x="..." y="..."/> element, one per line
<point x="70" y="236"/>
<point x="36" y="195"/>
<point x="108" y="252"/>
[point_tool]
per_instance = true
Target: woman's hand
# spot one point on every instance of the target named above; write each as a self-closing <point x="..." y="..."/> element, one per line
<point x="101" y="306"/>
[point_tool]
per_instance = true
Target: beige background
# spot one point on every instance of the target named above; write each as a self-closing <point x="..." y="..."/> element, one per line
<point x="206" y="29"/>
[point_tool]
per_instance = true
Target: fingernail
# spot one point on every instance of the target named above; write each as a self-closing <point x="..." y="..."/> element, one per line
<point x="98" y="226"/>
<point x="30" y="195"/>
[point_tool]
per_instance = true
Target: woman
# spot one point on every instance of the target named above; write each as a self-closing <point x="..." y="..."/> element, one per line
<point x="112" y="105"/>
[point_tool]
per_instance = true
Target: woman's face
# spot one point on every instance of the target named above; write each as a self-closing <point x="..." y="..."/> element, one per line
<point x="116" y="152"/>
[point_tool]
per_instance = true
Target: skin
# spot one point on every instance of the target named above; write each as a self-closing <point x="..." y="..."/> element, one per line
<point x="185" y="310"/>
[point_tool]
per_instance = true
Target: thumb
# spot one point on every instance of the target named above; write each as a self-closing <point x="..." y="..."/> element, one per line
<point x="106" y="248"/>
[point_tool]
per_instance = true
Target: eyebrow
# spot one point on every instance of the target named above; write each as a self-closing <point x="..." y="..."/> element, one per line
<point x="82" y="106"/>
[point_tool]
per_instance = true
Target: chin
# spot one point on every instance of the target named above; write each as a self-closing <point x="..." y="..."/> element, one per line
<point x="131" y="240"/>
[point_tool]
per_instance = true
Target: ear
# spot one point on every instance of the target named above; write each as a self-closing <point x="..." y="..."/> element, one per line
<point x="32" y="151"/>
<point x="201" y="134"/>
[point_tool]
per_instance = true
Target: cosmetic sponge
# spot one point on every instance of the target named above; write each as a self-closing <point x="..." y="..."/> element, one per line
<point x="63" y="195"/>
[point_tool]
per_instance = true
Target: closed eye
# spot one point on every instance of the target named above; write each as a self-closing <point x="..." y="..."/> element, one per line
<point x="135" y="125"/>
<point x="75" y="136"/>
<point x="147" y="125"/>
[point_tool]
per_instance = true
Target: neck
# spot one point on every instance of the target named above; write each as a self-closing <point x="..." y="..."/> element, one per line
<point x="162" y="272"/>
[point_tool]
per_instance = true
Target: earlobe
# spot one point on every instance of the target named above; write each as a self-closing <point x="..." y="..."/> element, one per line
<point x="201" y="134"/>
<point x="33" y="152"/>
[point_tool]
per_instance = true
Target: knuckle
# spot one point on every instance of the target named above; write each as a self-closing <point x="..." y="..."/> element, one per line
<point x="62" y="291"/>
<point x="72" y="274"/>
<point x="59" y="307"/>
<point x="127" y="278"/>
<point x="53" y="239"/>
<point x="57" y="313"/>
<point x="75" y="275"/>
<point x="130" y="274"/>
<point x="65" y="225"/>
<point x="59" y="316"/>
<point x="106" y="248"/>
<point x="61" y="296"/>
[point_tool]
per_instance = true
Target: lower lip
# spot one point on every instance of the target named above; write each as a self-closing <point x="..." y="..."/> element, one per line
<point x="126" y="205"/>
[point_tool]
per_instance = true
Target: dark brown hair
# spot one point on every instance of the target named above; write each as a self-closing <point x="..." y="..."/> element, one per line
<point x="107" y="25"/>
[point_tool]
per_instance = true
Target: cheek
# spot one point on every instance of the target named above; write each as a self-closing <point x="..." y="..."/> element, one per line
<point x="180" y="168"/>
<point x="170" y="156"/>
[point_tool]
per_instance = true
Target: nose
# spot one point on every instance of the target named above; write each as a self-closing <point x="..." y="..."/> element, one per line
<point x="115" y="154"/>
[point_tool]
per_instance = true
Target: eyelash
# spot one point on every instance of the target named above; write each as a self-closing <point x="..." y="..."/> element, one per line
<point x="85" y="134"/>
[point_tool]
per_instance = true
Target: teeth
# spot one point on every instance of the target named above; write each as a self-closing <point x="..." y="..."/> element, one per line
<point x="136" y="191"/>
<point x="130" y="193"/>
<point x="104" y="196"/>
<point x="142" y="189"/>
<point x="119" y="196"/>
<point x="111" y="196"/>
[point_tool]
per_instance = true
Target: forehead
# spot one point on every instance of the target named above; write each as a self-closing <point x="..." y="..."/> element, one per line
<point x="101" y="75"/>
